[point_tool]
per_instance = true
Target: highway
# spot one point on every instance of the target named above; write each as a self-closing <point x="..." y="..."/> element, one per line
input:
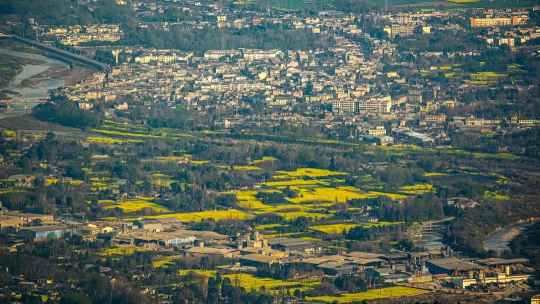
<point x="58" y="53"/>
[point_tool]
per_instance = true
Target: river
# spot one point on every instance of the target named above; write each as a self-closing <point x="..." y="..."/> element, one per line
<point x="33" y="83"/>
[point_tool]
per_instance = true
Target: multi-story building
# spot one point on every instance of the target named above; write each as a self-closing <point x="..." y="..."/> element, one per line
<point x="499" y="21"/>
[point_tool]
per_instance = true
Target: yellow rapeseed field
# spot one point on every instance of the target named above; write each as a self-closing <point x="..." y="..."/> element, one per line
<point x="120" y="251"/>
<point x="163" y="261"/>
<point x="307" y="172"/>
<point x="417" y="189"/>
<point x="372" y="294"/>
<point x="230" y="214"/>
<point x="134" y="205"/>
<point x="334" y="228"/>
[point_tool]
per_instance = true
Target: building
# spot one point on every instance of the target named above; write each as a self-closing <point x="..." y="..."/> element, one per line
<point x="399" y="30"/>
<point x="435" y="118"/>
<point x="375" y="105"/>
<point x="218" y="54"/>
<point x="258" y="260"/>
<point x="202" y="250"/>
<point x="377" y="131"/>
<point x="152" y="225"/>
<point x="412" y="137"/>
<point x="298" y="246"/>
<point x="16" y="220"/>
<point x="499" y="21"/>
<point x="43" y="233"/>
<point x="252" y="55"/>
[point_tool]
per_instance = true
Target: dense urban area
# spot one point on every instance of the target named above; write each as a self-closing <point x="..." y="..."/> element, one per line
<point x="270" y="151"/>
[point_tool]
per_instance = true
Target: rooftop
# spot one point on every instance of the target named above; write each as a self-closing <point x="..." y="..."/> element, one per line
<point x="453" y="264"/>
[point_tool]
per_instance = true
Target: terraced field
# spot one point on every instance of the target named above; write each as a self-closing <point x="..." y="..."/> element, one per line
<point x="372" y="294"/>
<point x="134" y="205"/>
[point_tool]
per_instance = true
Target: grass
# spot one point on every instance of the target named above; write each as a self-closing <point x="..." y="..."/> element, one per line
<point x="417" y="189"/>
<point x="124" y="133"/>
<point x="316" y="190"/>
<point x="135" y="205"/>
<point x="326" y="194"/>
<point x="292" y="182"/>
<point x="120" y="251"/>
<point x="8" y="134"/>
<point x="268" y="226"/>
<point x="379" y="224"/>
<point x="51" y="181"/>
<point x="110" y="140"/>
<point x="372" y="294"/>
<point x="161" y="180"/>
<point x="334" y="228"/>
<point x="463" y="1"/>
<point x="204" y="273"/>
<point x="254" y="283"/>
<point x="307" y="172"/>
<point x="263" y="160"/>
<point x="246" y="168"/>
<point x="163" y="261"/>
<point x="400" y="150"/>
<point x="217" y="215"/>
<point x="292" y="215"/>
<point x="494" y="195"/>
<point x="435" y="174"/>
<point x="248" y="200"/>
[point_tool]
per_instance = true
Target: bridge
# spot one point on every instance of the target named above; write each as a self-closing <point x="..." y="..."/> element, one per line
<point x="59" y="53"/>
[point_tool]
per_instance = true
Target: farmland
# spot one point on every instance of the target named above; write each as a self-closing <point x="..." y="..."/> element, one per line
<point x="120" y="251"/>
<point x="216" y="215"/>
<point x="372" y="294"/>
<point x="163" y="261"/>
<point x="254" y="283"/>
<point x="134" y="205"/>
<point x="333" y="228"/>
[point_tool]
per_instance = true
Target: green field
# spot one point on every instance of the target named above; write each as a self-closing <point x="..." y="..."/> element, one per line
<point x="134" y="205"/>
<point x="372" y="294"/>
<point x="231" y="214"/>
<point x="255" y="283"/>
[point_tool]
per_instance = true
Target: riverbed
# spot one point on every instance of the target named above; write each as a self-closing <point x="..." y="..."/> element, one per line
<point x="499" y="241"/>
<point x="32" y="84"/>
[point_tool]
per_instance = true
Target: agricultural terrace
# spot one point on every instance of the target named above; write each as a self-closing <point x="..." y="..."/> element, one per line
<point x="177" y="159"/>
<point x="255" y="283"/>
<point x="161" y="180"/>
<point x="334" y="228"/>
<point x="311" y="193"/>
<point x="496" y="196"/>
<point x="372" y="294"/>
<point x="163" y="261"/>
<point x="120" y="251"/>
<point x="217" y="215"/>
<point x="110" y="140"/>
<point x="138" y="132"/>
<point x="134" y="205"/>
<point x="402" y="150"/>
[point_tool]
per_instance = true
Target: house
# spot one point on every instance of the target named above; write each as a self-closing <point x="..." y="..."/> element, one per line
<point x="202" y="250"/>
<point x="337" y="268"/>
<point x="153" y="225"/>
<point x="452" y="266"/>
<point x="294" y="246"/>
<point x="15" y="220"/>
<point x="42" y="233"/>
<point x="258" y="260"/>
<point x="22" y="180"/>
<point x="502" y="265"/>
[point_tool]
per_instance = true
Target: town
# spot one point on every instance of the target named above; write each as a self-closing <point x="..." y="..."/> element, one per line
<point x="269" y="152"/>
